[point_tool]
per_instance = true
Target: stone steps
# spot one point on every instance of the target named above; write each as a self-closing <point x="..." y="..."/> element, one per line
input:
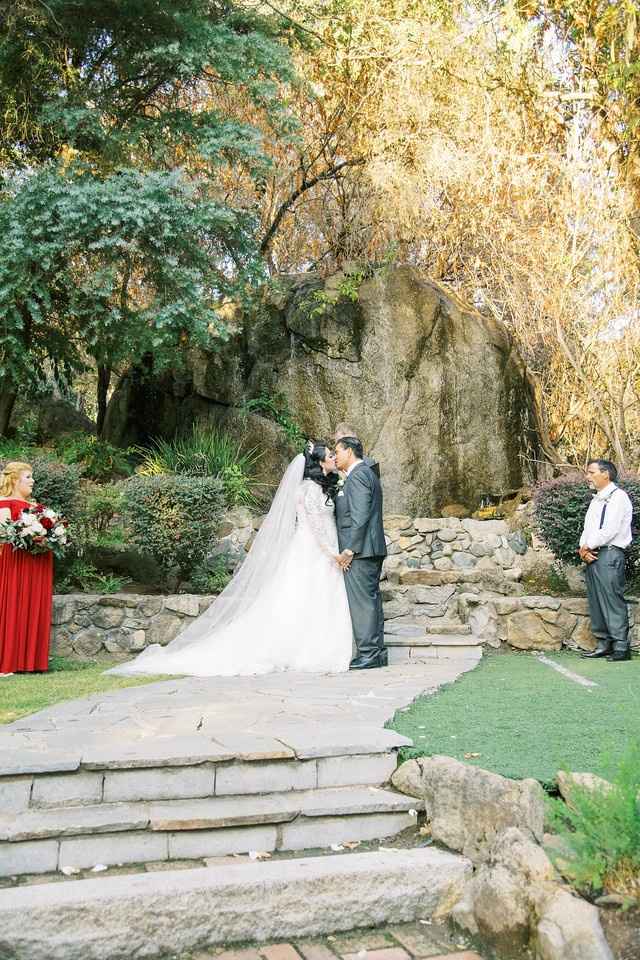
<point x="190" y="767"/>
<point x="408" y="639"/>
<point x="448" y="627"/>
<point x="43" y="841"/>
<point x="170" y="912"/>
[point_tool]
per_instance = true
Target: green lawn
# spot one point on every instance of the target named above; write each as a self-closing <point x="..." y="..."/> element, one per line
<point x="67" y="680"/>
<point x="526" y="720"/>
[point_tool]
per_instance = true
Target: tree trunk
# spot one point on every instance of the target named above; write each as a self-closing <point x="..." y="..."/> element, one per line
<point x="104" y="380"/>
<point x="7" y="401"/>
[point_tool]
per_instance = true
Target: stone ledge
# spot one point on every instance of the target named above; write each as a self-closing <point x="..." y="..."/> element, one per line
<point x="160" y="913"/>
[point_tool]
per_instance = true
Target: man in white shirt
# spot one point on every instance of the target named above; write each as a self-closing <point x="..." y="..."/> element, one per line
<point x="606" y="534"/>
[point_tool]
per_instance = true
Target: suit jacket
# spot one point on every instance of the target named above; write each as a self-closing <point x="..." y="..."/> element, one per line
<point x="359" y="514"/>
<point x="370" y="462"/>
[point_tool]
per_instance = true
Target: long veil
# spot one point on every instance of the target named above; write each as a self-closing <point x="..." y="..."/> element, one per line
<point x="262" y="565"/>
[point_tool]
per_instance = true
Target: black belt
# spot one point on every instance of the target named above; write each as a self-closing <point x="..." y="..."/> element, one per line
<point x="611" y="546"/>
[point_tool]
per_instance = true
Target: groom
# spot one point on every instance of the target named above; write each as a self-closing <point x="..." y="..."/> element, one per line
<point x="362" y="550"/>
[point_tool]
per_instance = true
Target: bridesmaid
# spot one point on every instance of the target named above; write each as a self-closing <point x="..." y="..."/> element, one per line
<point x="26" y="585"/>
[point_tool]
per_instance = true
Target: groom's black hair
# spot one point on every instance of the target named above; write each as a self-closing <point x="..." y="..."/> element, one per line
<point x="313" y="470"/>
<point x="352" y="443"/>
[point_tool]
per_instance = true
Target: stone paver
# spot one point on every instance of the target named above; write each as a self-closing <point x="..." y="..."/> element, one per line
<point x="195" y="720"/>
<point x="424" y="940"/>
<point x="387" y="953"/>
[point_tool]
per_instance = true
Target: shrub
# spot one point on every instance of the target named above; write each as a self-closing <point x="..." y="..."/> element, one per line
<point x="96" y="459"/>
<point x="57" y="485"/>
<point x="600" y="829"/>
<point x="560" y="506"/>
<point x="546" y="578"/>
<point x="174" y="518"/>
<point x="81" y="576"/>
<point x="210" y="580"/>
<point x="206" y="453"/>
<point x="100" y="506"/>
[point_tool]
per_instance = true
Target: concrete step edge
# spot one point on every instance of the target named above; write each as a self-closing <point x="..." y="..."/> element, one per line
<point x="40" y="762"/>
<point x="159" y="914"/>
<point x="433" y="640"/>
<point x="211" y="813"/>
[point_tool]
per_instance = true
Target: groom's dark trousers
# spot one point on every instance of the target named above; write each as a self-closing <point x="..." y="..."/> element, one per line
<point x="360" y="528"/>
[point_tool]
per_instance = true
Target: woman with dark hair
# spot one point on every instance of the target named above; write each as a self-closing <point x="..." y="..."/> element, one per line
<point x="286" y="608"/>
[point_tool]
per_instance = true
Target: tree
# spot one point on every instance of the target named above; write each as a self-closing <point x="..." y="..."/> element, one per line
<point x="109" y="253"/>
<point x="113" y="269"/>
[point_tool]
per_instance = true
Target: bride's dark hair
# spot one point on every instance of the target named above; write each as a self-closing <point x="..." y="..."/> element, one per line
<point x="313" y="471"/>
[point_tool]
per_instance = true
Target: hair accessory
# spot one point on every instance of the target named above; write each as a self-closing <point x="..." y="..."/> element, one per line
<point x="311" y="444"/>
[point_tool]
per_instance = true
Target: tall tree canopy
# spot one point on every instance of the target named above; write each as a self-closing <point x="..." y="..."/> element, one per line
<point x="115" y="144"/>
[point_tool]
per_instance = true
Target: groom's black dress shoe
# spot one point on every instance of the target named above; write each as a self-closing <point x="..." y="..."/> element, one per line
<point x="365" y="663"/>
<point x="383" y="657"/>
<point x="597" y="653"/>
<point x="619" y="655"/>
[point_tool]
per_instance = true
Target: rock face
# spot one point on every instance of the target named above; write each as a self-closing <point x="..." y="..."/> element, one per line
<point x="436" y="390"/>
<point x="468" y="807"/>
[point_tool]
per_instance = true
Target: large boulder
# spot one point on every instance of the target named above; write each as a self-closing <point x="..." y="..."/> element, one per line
<point x="569" y="929"/>
<point x="468" y="807"/>
<point x="436" y="390"/>
<point x="501" y="900"/>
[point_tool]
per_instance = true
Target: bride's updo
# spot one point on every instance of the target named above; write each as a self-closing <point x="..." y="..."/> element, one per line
<point x="314" y="454"/>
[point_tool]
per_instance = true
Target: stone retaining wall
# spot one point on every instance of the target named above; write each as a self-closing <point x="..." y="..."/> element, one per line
<point x="535" y="623"/>
<point x="449" y="544"/>
<point x="438" y="568"/>
<point x="85" y="624"/>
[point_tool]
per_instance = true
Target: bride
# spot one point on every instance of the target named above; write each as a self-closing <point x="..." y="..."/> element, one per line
<point x="286" y="608"/>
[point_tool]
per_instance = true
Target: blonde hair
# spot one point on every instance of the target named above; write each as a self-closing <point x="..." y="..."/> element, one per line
<point x="10" y="476"/>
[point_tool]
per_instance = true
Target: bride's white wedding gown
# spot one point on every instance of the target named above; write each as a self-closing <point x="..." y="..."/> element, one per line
<point x="294" y="616"/>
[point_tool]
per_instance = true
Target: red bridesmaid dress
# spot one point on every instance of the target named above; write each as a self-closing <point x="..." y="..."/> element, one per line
<point x="26" y="588"/>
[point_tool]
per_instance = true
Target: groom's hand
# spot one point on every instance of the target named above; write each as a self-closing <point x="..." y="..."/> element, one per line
<point x="345" y="558"/>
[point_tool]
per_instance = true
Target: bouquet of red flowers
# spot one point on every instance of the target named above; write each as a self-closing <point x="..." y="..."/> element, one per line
<point x="37" y="530"/>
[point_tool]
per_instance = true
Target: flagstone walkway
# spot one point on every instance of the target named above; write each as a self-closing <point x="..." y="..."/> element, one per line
<point x="278" y="714"/>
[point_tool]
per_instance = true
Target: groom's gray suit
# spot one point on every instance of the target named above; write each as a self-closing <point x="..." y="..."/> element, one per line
<point x="360" y="528"/>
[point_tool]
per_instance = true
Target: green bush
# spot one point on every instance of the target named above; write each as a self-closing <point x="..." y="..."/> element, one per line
<point x="100" y="506"/>
<point x="213" y="580"/>
<point x="96" y="459"/>
<point x="81" y="576"/>
<point x="57" y="485"/>
<point x="206" y="453"/>
<point x="174" y="518"/>
<point x="600" y="830"/>
<point x="560" y="506"/>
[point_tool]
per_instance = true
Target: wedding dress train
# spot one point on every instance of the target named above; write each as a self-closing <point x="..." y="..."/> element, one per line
<point x="286" y="609"/>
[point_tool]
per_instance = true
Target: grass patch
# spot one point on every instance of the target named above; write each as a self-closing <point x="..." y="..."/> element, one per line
<point x="26" y="693"/>
<point x="526" y="720"/>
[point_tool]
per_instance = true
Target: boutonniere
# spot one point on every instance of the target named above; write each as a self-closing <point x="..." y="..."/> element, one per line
<point x="340" y="485"/>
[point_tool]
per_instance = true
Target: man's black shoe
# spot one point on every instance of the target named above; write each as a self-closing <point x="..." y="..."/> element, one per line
<point x="383" y="657"/>
<point x="365" y="663"/>
<point x="618" y="655"/>
<point x="597" y="653"/>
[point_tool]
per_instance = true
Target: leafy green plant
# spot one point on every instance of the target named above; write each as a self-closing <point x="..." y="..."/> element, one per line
<point x="57" y="485"/>
<point x="100" y="505"/>
<point x="211" y="580"/>
<point x="11" y="449"/>
<point x="205" y="453"/>
<point x="96" y="459"/>
<point x="559" y="510"/>
<point x="82" y="577"/>
<point x="174" y="518"/>
<point x="600" y="830"/>
<point x="546" y="578"/>
<point x="275" y="407"/>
